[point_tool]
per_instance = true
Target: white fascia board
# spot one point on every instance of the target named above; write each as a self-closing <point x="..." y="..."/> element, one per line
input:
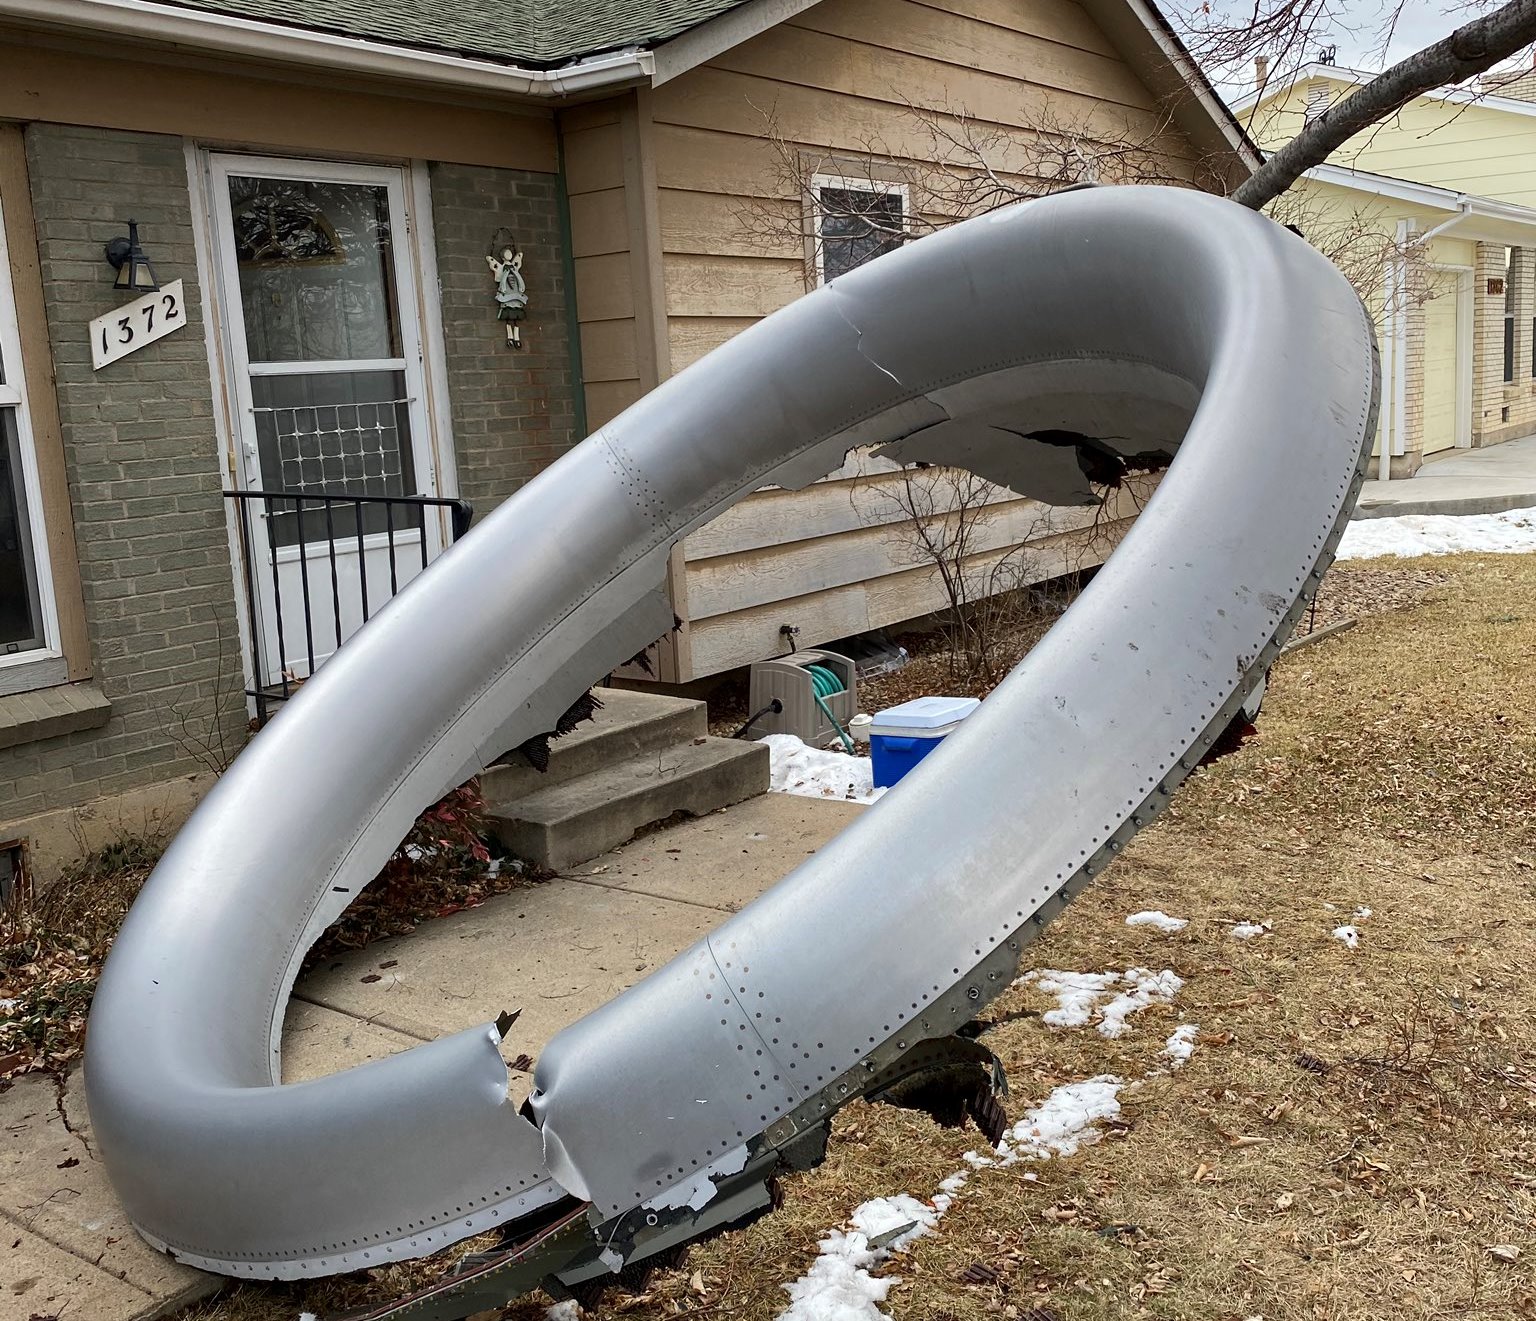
<point x="1359" y="78"/>
<point x="1481" y="218"/>
<point x="225" y="34"/>
<point x="1307" y="72"/>
<point x="1380" y="185"/>
<point x="722" y="33"/>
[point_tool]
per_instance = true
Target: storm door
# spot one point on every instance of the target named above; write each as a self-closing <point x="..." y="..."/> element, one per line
<point x="327" y="382"/>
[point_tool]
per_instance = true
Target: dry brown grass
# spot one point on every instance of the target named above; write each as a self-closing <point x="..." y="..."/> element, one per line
<point x="1392" y="1089"/>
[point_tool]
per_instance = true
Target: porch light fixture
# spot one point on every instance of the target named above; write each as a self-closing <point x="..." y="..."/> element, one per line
<point x="132" y="266"/>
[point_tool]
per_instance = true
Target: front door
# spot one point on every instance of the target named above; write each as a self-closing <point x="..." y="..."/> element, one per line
<point x="327" y="383"/>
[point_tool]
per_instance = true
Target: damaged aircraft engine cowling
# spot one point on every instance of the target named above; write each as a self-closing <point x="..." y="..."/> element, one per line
<point x="1150" y="320"/>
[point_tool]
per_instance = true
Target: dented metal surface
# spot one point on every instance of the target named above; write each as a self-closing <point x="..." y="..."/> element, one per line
<point x="1147" y="319"/>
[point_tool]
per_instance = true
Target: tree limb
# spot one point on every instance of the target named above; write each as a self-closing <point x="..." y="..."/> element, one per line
<point x="1469" y="50"/>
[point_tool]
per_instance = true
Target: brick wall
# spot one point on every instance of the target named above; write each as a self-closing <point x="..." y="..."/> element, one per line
<point x="513" y="411"/>
<point x="144" y="479"/>
<point x="1502" y="410"/>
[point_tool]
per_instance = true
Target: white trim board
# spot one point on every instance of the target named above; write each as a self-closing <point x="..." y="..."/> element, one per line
<point x="1355" y="78"/>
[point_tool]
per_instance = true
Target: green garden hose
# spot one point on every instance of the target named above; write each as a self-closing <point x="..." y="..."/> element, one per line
<point x="825" y="684"/>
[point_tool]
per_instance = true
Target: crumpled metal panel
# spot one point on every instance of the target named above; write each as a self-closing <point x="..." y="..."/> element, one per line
<point x="1105" y="310"/>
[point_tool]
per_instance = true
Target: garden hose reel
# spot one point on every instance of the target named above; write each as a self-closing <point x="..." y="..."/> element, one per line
<point x="817" y="691"/>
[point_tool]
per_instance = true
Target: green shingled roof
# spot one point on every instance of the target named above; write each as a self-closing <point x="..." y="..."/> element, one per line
<point x="532" y="33"/>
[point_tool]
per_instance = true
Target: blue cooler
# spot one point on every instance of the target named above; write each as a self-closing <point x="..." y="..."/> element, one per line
<point x="901" y="736"/>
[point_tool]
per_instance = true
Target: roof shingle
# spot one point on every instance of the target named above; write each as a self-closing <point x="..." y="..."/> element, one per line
<point x="531" y="33"/>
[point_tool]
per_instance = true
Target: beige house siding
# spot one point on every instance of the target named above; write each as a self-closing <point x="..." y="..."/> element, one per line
<point x="160" y="92"/>
<point x="838" y="82"/>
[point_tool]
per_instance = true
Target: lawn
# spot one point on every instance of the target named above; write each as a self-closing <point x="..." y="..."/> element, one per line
<point x="1354" y="1133"/>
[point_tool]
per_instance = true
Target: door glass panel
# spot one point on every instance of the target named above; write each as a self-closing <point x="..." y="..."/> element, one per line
<point x="334" y="433"/>
<point x="316" y="270"/>
<point x="21" y="615"/>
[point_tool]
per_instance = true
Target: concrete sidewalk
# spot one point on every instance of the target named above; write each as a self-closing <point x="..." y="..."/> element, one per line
<point x="555" y="951"/>
<point x="1484" y="481"/>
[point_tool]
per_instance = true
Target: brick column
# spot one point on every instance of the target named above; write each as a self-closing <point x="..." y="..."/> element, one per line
<point x="1487" y="345"/>
<point x="1522" y="284"/>
<point x="1415" y="292"/>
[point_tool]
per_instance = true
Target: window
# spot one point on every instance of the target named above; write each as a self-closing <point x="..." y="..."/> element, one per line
<point x="28" y="630"/>
<point x="1510" y="257"/>
<point x="856" y="221"/>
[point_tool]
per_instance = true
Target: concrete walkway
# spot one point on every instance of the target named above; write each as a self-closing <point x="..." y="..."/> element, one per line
<point x="1484" y="481"/>
<point x="555" y="951"/>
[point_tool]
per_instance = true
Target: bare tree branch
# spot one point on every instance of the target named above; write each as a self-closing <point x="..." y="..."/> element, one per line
<point x="1470" y="50"/>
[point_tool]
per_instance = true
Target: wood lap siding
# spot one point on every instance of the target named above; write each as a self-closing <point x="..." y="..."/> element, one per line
<point x="600" y="252"/>
<point x="840" y="78"/>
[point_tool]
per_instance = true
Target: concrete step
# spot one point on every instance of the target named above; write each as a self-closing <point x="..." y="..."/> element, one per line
<point x="564" y="824"/>
<point x="629" y="723"/>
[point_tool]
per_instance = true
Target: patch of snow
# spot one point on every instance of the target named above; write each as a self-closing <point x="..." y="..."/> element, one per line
<point x="1159" y="919"/>
<point x="1349" y="935"/>
<point x="1146" y="988"/>
<point x="1077" y="994"/>
<point x="1064" y="1123"/>
<point x="569" y="1310"/>
<point x="796" y="768"/>
<point x="1080" y="994"/>
<point x="1362" y="912"/>
<point x="839" y="1286"/>
<point x="1248" y="930"/>
<point x="949" y="1189"/>
<point x="7" y="1005"/>
<point x="1181" y="1045"/>
<point x="1511" y="532"/>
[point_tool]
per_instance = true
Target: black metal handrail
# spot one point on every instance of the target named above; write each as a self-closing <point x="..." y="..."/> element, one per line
<point x="308" y="521"/>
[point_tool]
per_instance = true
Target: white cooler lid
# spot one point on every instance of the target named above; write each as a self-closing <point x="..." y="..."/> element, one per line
<point x="926" y="713"/>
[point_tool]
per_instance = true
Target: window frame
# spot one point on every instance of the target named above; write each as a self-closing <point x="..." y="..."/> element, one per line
<point x="851" y="184"/>
<point x="47" y="662"/>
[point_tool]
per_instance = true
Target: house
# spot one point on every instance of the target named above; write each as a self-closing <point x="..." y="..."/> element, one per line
<point x="1433" y="214"/>
<point x="370" y="265"/>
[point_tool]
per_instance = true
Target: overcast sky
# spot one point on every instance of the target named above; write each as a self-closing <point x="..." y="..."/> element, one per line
<point x="1421" y="23"/>
<point x="1359" y="38"/>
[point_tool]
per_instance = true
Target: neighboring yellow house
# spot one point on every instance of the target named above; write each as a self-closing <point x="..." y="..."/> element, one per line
<point x="1433" y="214"/>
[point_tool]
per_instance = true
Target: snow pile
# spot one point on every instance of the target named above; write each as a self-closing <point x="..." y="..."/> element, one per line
<point x="795" y="767"/>
<point x="569" y="1310"/>
<point x="1181" y="1045"/>
<point x="1439" y="534"/>
<point x="1248" y="930"/>
<point x="1349" y="935"/>
<point x="1077" y="994"/>
<point x="1362" y="912"/>
<point x="1080" y="994"/>
<point x="949" y="1189"/>
<point x="1064" y="1123"/>
<point x="1159" y="919"/>
<point x="839" y="1287"/>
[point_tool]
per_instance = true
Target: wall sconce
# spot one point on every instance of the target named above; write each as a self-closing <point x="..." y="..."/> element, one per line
<point x="132" y="266"/>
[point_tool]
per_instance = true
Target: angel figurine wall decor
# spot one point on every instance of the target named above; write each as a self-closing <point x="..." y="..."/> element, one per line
<point x="506" y="263"/>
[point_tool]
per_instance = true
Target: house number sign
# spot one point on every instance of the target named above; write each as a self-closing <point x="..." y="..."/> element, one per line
<point x="135" y="324"/>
